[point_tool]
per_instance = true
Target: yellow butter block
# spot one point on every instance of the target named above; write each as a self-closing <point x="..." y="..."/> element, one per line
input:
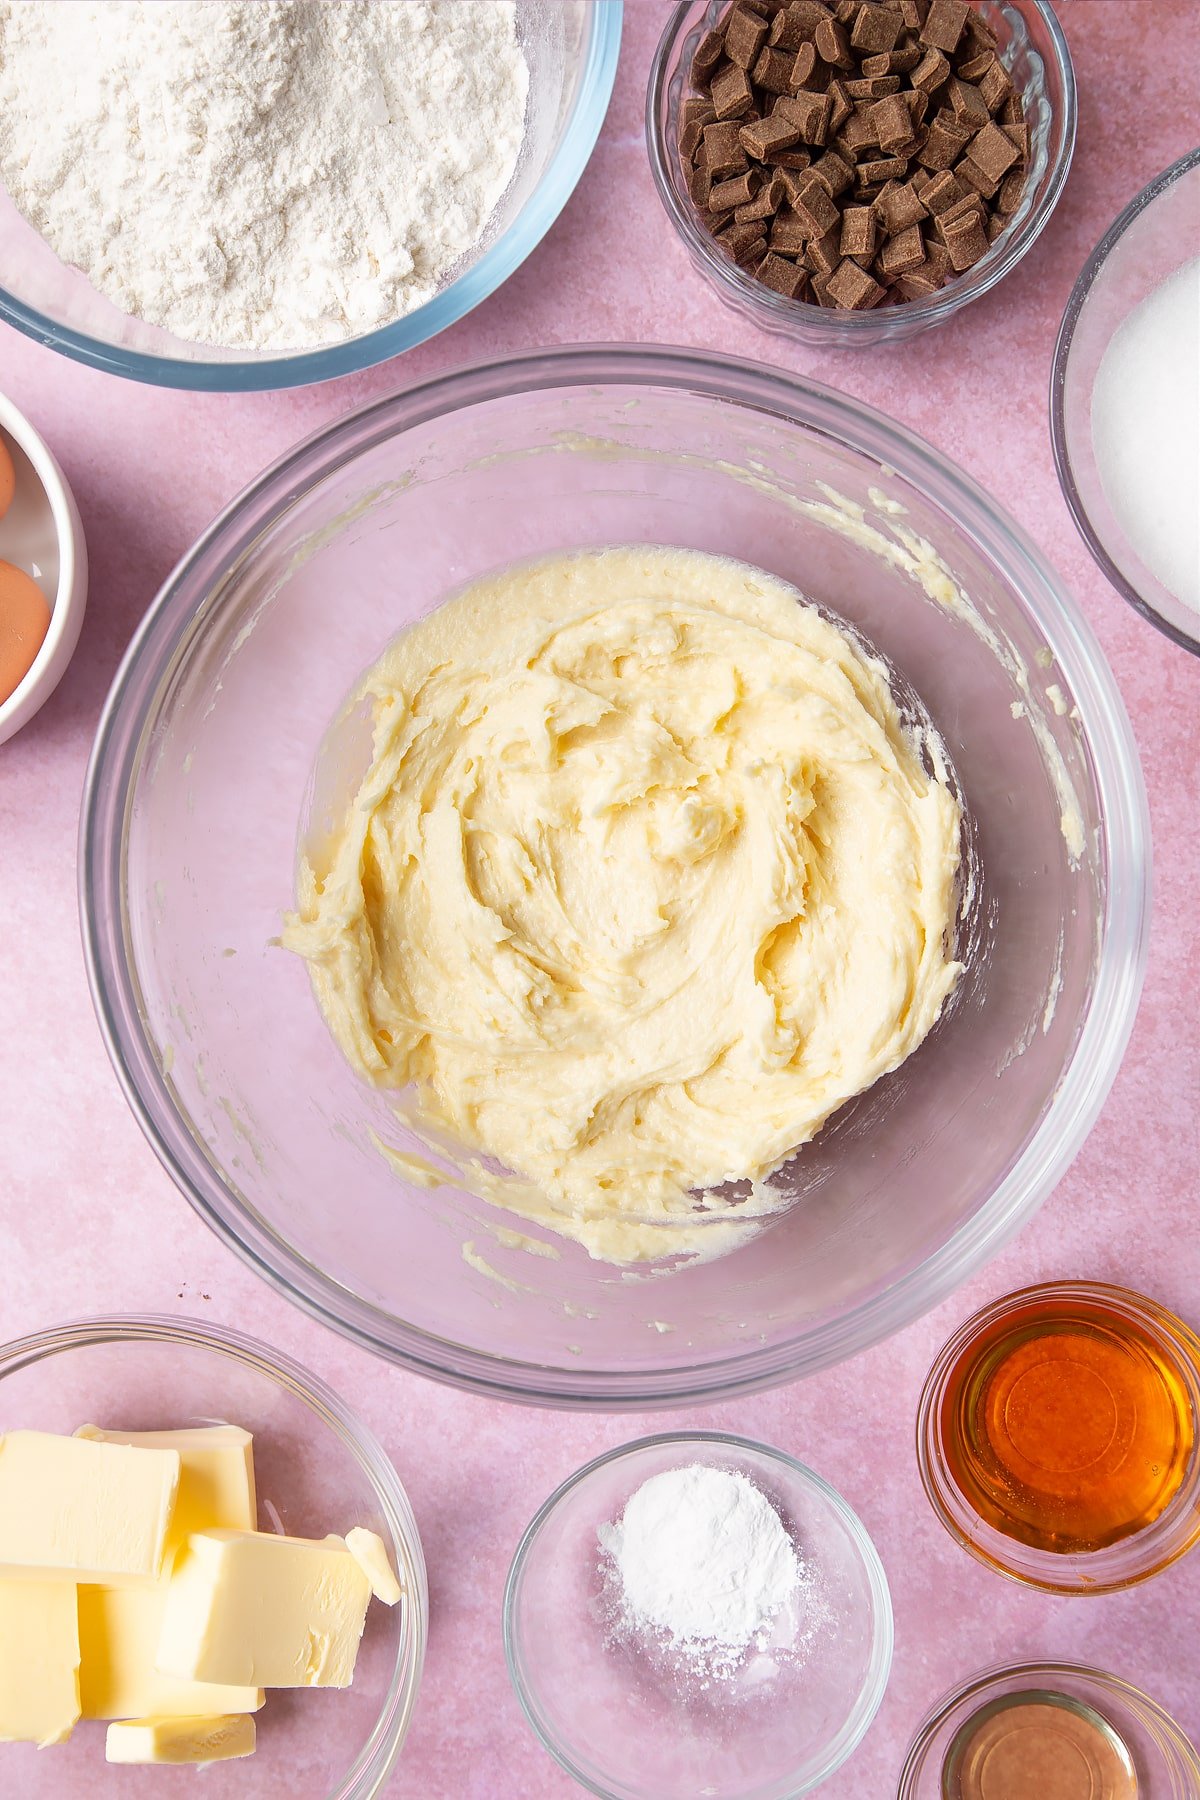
<point x="119" y="1628"/>
<point x="370" y="1553"/>
<point x="216" y="1475"/>
<point x="82" y="1511"/>
<point x="217" y="1739"/>
<point x="39" y="1662"/>
<point x="244" y="1606"/>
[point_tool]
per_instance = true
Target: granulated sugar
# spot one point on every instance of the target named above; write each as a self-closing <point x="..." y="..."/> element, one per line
<point x="1146" y="431"/>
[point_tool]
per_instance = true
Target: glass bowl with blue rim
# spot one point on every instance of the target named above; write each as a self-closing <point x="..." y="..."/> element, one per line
<point x="571" y="49"/>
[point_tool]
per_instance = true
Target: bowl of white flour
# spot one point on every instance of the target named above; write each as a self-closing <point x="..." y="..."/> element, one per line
<point x="247" y="194"/>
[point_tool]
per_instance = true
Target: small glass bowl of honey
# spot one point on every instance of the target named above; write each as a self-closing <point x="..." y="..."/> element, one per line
<point x="1058" y="1437"/>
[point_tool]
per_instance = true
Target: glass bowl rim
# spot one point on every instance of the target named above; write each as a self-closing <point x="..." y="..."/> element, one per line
<point x="1045" y="1571"/>
<point x="379" y="1754"/>
<point x="777" y="313"/>
<point x="805" y="405"/>
<point x="1138" y="1702"/>
<point x="1077" y="300"/>
<point x="870" y="1696"/>
<point x="270" y="373"/>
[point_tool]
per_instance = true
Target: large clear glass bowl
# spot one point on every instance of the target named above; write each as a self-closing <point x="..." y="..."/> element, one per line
<point x="571" y="47"/>
<point x="1156" y="234"/>
<point x="317" y="1469"/>
<point x="1032" y="47"/>
<point x="202" y="772"/>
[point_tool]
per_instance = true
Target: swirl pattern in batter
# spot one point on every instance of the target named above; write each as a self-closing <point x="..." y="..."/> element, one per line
<point x="647" y="877"/>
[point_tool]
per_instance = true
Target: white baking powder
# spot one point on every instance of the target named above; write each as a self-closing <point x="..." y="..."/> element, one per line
<point x="702" y="1560"/>
<point x="1146" y="431"/>
<point x="273" y="174"/>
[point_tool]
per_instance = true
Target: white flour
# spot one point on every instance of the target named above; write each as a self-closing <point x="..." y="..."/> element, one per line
<point x="273" y="174"/>
<point x="703" y="1562"/>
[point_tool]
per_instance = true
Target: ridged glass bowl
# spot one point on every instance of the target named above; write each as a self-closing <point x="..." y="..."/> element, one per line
<point x="202" y="774"/>
<point x="317" y="1470"/>
<point x="571" y="47"/>
<point x="1035" y="52"/>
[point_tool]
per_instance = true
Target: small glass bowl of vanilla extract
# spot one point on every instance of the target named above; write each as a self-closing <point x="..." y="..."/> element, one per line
<point x="1058" y="1437"/>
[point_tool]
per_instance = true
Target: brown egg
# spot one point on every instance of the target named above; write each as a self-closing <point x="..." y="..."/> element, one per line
<point x="8" y="480"/>
<point x="24" y="622"/>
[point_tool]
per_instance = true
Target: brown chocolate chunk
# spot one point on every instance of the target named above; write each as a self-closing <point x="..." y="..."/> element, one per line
<point x="852" y="288"/>
<point x="899" y="206"/>
<point x="785" y="277"/>
<point x="966" y="103"/>
<point x="833" y="45"/>
<point x="879" y="87"/>
<point x="709" y="52"/>
<point x="932" y="70"/>
<point x="810" y="111"/>
<point x="745" y="35"/>
<point x="979" y="32"/>
<point x="944" y="145"/>
<point x="1019" y="135"/>
<point x="884" y="169"/>
<point x="842" y="105"/>
<point x="731" y="92"/>
<point x="941" y="191"/>
<point x="814" y="206"/>
<point x="904" y="58"/>
<point x="965" y="240"/>
<point x="789" y="161"/>
<point x="875" y="28"/>
<point x="997" y="222"/>
<point x="739" y="240"/>
<point x="695" y="107"/>
<point x="833" y="172"/>
<point x="918" y="105"/>
<point x="937" y="259"/>
<point x="903" y="252"/>
<point x="721" y="151"/>
<point x="1008" y="197"/>
<point x="789" y="232"/>
<point x="699" y="187"/>
<point x="807" y="70"/>
<point x="764" y="135"/>
<point x="823" y="254"/>
<point x="918" y="283"/>
<point x="968" y="170"/>
<point x="860" y="232"/>
<point x="994" y="151"/>
<point x="820" y="287"/>
<point x="913" y="13"/>
<point x="944" y="24"/>
<point x="739" y="190"/>
<point x="773" y="71"/>
<point x="893" y="124"/>
<point x="975" y="66"/>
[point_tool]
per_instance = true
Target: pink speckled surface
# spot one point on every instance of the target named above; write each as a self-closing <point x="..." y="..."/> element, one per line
<point x="89" y="1222"/>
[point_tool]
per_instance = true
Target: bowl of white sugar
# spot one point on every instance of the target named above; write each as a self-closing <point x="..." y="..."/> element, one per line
<point x="234" y="196"/>
<point x="694" y="1613"/>
<point x="1125" y="402"/>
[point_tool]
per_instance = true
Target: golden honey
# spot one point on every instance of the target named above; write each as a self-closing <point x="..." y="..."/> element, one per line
<point x="1066" y="1422"/>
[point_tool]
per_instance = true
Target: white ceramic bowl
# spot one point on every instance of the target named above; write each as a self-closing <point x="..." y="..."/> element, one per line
<point x="42" y="533"/>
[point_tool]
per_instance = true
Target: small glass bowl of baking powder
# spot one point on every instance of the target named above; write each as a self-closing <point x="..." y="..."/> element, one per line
<point x="1097" y="1734"/>
<point x="1035" y="52"/>
<point x="636" y="1710"/>
<point x="1120" y="392"/>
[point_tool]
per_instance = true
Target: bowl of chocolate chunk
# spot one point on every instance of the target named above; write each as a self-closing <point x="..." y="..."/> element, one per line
<point x="857" y="171"/>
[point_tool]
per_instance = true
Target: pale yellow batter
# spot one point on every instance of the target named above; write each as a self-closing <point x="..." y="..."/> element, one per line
<point x="646" y="879"/>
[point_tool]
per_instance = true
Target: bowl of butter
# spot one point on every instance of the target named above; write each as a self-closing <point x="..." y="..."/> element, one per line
<point x="205" y="1561"/>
